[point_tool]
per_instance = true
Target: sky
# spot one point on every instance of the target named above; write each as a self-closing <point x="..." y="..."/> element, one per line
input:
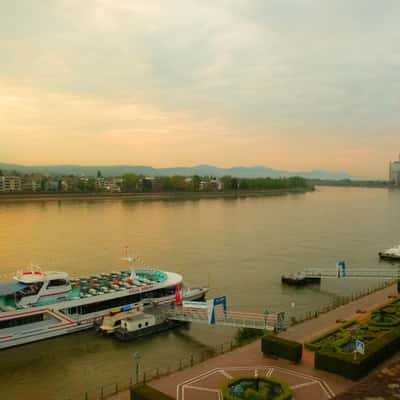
<point x="290" y="84"/>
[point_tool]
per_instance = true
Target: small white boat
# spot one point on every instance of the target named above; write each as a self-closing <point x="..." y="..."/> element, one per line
<point x="134" y="324"/>
<point x="392" y="254"/>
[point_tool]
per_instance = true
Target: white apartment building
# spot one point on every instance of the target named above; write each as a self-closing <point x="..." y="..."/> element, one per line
<point x="394" y="172"/>
<point x="10" y="184"/>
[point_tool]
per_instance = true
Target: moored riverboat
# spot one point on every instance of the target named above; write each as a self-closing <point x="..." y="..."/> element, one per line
<point x="392" y="254"/>
<point x="299" y="279"/>
<point x="38" y="304"/>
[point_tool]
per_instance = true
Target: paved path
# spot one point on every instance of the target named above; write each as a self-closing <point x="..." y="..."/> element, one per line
<point x="213" y="372"/>
<point x="326" y="321"/>
<point x="201" y="381"/>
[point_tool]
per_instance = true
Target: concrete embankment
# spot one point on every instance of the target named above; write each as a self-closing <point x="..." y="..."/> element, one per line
<point x="148" y="196"/>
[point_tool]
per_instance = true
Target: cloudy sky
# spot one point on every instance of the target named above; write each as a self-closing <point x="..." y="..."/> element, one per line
<point x="291" y="84"/>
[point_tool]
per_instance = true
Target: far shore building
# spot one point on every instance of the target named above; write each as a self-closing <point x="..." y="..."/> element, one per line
<point x="113" y="185"/>
<point x="31" y="183"/>
<point x="394" y="172"/>
<point x="10" y="184"/>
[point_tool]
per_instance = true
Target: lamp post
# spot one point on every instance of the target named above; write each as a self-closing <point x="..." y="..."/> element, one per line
<point x="137" y="356"/>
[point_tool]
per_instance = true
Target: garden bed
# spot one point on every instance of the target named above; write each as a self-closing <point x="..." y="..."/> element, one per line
<point x="253" y="388"/>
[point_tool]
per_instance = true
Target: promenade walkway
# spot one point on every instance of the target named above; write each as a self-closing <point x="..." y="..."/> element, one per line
<point x="201" y="381"/>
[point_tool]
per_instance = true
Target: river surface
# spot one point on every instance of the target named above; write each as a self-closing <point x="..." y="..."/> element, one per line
<point x="240" y="247"/>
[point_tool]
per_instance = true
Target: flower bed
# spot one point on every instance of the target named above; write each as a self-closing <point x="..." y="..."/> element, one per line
<point x="253" y="388"/>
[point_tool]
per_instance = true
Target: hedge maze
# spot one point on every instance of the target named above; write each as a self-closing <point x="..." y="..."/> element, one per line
<point x="334" y="351"/>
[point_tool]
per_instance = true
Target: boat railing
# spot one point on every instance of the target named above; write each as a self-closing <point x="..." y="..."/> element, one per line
<point x="32" y="270"/>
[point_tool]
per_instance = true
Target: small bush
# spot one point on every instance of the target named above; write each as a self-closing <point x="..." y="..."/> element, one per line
<point x="274" y="345"/>
<point x="144" y="392"/>
<point x="246" y="334"/>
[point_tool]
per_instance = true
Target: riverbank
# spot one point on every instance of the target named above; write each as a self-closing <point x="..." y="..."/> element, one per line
<point x="250" y="356"/>
<point x="149" y="196"/>
<point x="201" y="381"/>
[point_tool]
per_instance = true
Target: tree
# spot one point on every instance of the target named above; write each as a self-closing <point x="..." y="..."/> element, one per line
<point x="234" y="184"/>
<point x="196" y="183"/>
<point x="179" y="183"/>
<point x="227" y="182"/>
<point x="130" y="183"/>
<point x="1" y="173"/>
<point x="91" y="185"/>
<point x="99" y="174"/>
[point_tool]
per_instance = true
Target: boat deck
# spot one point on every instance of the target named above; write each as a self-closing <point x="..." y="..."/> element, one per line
<point x="96" y="285"/>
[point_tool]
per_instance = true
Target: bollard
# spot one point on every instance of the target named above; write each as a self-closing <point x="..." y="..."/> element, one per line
<point x="86" y="396"/>
<point x="102" y="393"/>
<point x="116" y="388"/>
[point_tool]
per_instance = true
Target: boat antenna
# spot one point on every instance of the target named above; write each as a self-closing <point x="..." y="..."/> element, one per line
<point x="130" y="259"/>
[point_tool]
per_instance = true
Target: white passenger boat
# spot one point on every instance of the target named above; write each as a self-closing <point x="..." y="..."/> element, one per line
<point x="392" y="254"/>
<point x="40" y="304"/>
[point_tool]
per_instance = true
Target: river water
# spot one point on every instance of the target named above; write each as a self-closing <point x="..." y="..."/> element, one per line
<point x="240" y="247"/>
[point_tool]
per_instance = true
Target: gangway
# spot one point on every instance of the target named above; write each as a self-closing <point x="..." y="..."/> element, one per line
<point x="354" y="273"/>
<point x="272" y="322"/>
<point x="314" y="275"/>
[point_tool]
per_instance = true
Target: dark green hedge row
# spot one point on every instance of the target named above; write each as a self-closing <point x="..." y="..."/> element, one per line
<point x="285" y="395"/>
<point x="144" y="392"/>
<point x="344" y="364"/>
<point x="274" y="345"/>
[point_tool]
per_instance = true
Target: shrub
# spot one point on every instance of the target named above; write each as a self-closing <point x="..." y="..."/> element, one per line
<point x="247" y="334"/>
<point x="144" y="392"/>
<point x="274" y="345"/>
<point x="269" y="389"/>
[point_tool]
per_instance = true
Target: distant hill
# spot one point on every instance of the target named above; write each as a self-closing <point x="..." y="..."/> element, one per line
<point x="202" y="170"/>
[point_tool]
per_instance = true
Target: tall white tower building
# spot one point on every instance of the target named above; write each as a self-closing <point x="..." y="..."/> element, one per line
<point x="394" y="172"/>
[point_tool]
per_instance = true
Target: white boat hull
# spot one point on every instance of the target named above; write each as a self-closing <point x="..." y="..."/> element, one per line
<point x="64" y="324"/>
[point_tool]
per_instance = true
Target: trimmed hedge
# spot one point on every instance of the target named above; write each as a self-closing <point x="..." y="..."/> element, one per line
<point x="344" y="364"/>
<point x="288" y="349"/>
<point x="144" y="392"/>
<point x="285" y="395"/>
<point x="313" y="343"/>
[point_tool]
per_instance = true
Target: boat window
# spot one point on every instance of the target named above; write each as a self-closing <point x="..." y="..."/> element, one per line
<point x="122" y="301"/>
<point x="30" y="290"/>
<point x="57" y="282"/>
<point x="140" y="325"/>
<point x="9" y="323"/>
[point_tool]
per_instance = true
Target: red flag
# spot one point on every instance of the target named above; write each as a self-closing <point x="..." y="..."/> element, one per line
<point x="178" y="297"/>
